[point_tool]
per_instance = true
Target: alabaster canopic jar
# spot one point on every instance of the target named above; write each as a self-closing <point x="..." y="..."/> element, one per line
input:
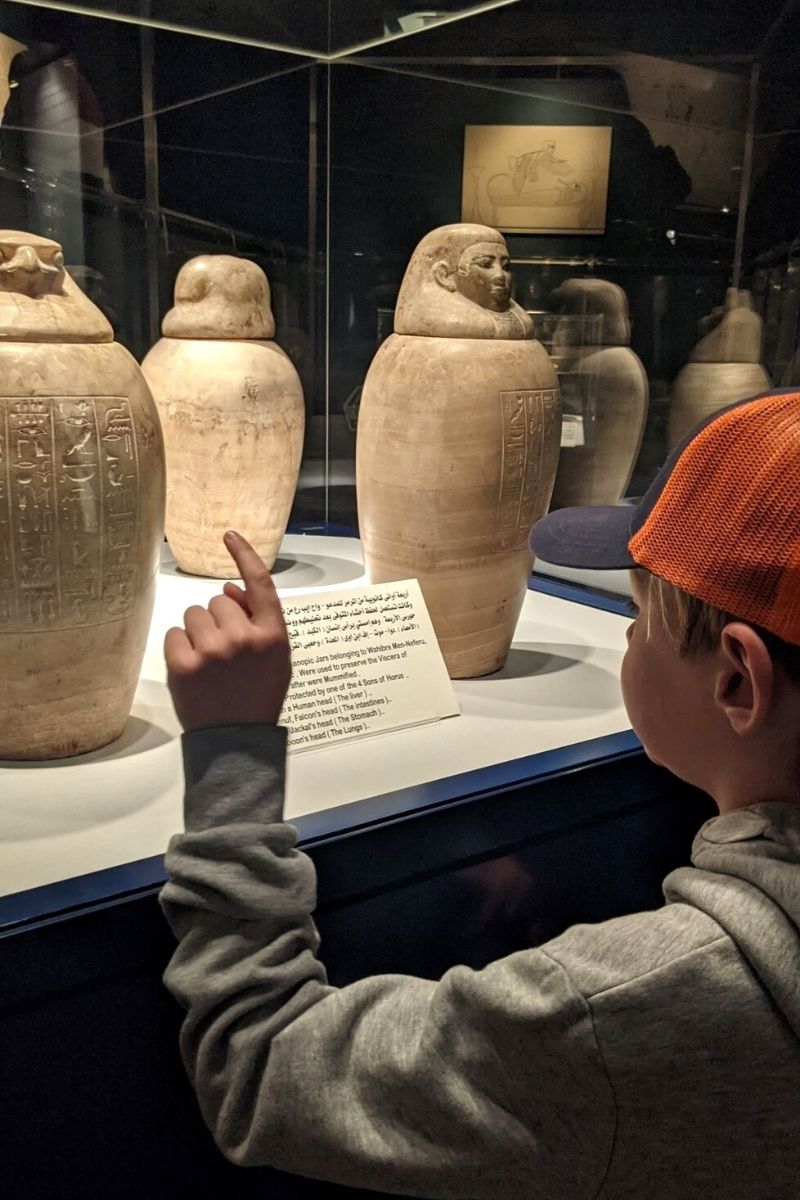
<point x="725" y="365"/>
<point x="603" y="378"/>
<point x="81" y="511"/>
<point x="231" y="407"/>
<point x="458" y="439"/>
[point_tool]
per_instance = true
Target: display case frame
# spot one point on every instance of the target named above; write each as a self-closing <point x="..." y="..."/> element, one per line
<point x="321" y="30"/>
<point x="369" y="816"/>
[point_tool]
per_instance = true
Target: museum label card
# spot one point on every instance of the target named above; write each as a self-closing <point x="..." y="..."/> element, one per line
<point x="365" y="660"/>
<point x="571" y="430"/>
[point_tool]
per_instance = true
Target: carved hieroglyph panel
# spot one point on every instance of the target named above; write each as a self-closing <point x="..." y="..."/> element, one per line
<point x="528" y="419"/>
<point x="69" y="511"/>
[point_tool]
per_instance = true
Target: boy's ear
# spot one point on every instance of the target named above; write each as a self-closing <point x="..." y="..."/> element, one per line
<point x="745" y="678"/>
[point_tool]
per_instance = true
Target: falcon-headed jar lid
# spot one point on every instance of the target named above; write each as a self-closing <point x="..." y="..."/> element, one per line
<point x="39" y="301"/>
<point x="220" y="296"/>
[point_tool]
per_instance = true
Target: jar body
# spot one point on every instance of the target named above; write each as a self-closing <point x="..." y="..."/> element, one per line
<point x="81" y="528"/>
<point x="233" y="419"/>
<point x="457" y="447"/>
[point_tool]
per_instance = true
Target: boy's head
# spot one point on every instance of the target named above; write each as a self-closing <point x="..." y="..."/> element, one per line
<point x="711" y="678"/>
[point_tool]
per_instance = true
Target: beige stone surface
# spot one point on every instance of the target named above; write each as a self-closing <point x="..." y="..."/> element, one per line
<point x="605" y="378"/>
<point x="232" y="413"/>
<point x="220" y="296"/>
<point x="39" y="301"/>
<point x="732" y="333"/>
<point x="457" y="447"/>
<point x="703" y="388"/>
<point x="81" y="527"/>
<point x="725" y="365"/>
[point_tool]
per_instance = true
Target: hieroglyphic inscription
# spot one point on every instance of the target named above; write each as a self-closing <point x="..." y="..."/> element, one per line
<point x="527" y="421"/>
<point x="69" y="488"/>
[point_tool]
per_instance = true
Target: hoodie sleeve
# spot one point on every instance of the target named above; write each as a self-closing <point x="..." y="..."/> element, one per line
<point x="486" y="1084"/>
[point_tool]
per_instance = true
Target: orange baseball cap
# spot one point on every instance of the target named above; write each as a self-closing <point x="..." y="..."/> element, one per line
<point x="721" y="519"/>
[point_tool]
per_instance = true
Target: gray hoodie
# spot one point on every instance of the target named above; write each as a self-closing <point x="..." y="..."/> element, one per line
<point x="652" y="1057"/>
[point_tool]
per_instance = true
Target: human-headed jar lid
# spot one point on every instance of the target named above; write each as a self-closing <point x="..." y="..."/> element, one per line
<point x="458" y="284"/>
<point x="39" y="301"/>
<point x="220" y="296"/>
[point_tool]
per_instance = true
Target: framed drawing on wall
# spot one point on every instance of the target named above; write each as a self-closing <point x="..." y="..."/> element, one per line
<point x="536" y="178"/>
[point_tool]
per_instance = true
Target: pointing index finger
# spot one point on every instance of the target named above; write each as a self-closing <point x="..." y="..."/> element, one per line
<point x="262" y="598"/>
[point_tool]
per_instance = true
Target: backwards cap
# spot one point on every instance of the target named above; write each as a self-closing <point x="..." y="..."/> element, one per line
<point x="721" y="519"/>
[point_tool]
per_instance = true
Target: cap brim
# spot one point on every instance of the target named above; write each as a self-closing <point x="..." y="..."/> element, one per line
<point x="594" y="538"/>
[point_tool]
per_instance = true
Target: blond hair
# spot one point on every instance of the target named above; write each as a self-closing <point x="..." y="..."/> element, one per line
<point x="694" y="626"/>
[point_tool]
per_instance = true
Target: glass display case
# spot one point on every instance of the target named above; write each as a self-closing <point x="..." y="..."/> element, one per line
<point x="637" y="175"/>
<point x="638" y="169"/>
<point x="318" y="29"/>
<point x="322" y="140"/>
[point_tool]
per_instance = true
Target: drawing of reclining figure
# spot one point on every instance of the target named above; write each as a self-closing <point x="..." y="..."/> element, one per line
<point x="529" y="168"/>
<point x="537" y="180"/>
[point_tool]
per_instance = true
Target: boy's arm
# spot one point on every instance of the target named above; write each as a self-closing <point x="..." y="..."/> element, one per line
<point x="486" y="1084"/>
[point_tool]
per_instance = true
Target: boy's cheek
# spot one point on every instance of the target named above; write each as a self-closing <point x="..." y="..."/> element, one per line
<point x="653" y="757"/>
<point x="627" y="680"/>
<point x="634" y="697"/>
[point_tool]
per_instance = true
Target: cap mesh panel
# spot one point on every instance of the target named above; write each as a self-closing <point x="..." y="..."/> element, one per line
<point x="726" y="527"/>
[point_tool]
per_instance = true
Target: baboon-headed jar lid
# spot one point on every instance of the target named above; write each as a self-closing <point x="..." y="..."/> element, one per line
<point x="220" y="296"/>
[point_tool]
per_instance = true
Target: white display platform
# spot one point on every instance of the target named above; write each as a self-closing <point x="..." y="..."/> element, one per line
<point x="121" y="804"/>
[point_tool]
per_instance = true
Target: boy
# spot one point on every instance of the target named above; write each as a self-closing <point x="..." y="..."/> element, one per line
<point x="653" y="1056"/>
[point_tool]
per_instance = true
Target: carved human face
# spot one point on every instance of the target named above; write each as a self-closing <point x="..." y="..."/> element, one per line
<point x="484" y="276"/>
<point x="32" y="266"/>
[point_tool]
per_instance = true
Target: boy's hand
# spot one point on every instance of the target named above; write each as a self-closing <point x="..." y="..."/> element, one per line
<point x="231" y="664"/>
